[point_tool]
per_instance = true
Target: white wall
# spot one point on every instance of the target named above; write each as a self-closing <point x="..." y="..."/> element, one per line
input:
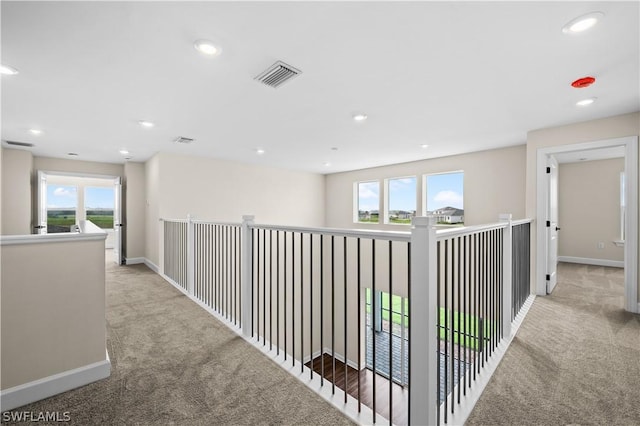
<point x="77" y="166"/>
<point x="220" y="190"/>
<point x="134" y="209"/>
<point x="53" y="321"/>
<point x="594" y="130"/>
<point x="1" y="191"/>
<point x="493" y="184"/>
<point x="152" y="209"/>
<point x="589" y="209"/>
<point x="217" y="190"/>
<point x="16" y="199"/>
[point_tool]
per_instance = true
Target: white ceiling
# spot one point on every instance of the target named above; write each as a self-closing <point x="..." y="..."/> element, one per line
<point x="458" y="76"/>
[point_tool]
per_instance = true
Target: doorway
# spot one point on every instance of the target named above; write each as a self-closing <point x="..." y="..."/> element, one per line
<point x="546" y="259"/>
<point x="64" y="199"/>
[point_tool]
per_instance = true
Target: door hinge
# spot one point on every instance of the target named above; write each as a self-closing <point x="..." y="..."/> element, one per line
<point x="548" y="169"/>
<point x="548" y="224"/>
<point x="548" y="277"/>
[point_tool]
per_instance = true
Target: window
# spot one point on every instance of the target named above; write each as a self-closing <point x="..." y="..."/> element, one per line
<point x="401" y="200"/>
<point x="391" y="321"/>
<point x="99" y="204"/>
<point x="368" y="202"/>
<point x="444" y="197"/>
<point x="62" y="201"/>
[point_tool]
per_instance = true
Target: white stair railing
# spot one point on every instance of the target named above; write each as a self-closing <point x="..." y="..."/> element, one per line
<point x="299" y="289"/>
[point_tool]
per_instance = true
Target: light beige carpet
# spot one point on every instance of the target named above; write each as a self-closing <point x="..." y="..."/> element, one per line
<point x="173" y="363"/>
<point x="575" y="359"/>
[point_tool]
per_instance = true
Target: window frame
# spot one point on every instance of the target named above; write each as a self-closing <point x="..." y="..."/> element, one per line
<point x="356" y="201"/>
<point x="387" y="199"/>
<point x="425" y="189"/>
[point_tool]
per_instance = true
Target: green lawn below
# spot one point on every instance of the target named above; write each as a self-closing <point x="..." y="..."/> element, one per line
<point x="396" y="220"/>
<point x="469" y="324"/>
<point x="102" y="221"/>
<point x="61" y="220"/>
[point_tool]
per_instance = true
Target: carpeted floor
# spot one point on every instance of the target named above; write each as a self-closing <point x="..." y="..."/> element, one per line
<point x="575" y="359"/>
<point x="173" y="363"/>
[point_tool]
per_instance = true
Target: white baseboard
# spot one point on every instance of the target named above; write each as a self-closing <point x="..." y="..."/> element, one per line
<point x="27" y="393"/>
<point x="340" y="358"/>
<point x="595" y="262"/>
<point x="134" y="260"/>
<point x="151" y="265"/>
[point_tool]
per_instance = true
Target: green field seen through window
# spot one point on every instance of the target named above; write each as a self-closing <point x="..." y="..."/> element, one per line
<point x="102" y="219"/>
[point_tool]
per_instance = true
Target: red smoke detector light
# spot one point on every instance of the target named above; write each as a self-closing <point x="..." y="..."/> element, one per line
<point x="583" y="82"/>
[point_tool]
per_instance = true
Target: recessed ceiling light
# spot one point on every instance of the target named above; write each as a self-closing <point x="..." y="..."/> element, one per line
<point x="35" y="131"/>
<point x="207" y="47"/>
<point x="72" y="154"/>
<point x="586" y="102"/>
<point x="327" y="164"/>
<point x="7" y="70"/>
<point x="424" y="146"/>
<point x="124" y="152"/>
<point x="260" y="151"/>
<point x="582" y="23"/>
<point x="145" y="123"/>
<point x="359" y="117"/>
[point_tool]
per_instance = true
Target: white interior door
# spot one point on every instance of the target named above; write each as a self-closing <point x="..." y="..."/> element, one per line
<point x="552" y="224"/>
<point x="41" y="226"/>
<point x="117" y="221"/>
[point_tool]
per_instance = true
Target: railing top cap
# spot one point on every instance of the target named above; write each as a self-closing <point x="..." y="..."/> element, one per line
<point x="354" y="233"/>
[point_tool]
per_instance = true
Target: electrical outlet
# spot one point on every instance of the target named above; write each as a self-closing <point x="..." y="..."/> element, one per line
<point x="600" y="245"/>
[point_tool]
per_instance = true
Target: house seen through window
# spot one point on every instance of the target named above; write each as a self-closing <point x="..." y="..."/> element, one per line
<point x="401" y="200"/>
<point x="445" y="197"/>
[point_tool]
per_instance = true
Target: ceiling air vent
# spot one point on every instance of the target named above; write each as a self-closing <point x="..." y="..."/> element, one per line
<point x="182" y="139"/>
<point x="22" y="144"/>
<point x="277" y="74"/>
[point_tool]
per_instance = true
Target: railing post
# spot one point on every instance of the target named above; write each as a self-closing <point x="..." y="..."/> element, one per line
<point x="507" y="277"/>
<point x="190" y="255"/>
<point x="423" y="310"/>
<point x="245" y="262"/>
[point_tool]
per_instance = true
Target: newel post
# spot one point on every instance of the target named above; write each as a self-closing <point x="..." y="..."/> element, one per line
<point x="507" y="246"/>
<point x="246" y="263"/>
<point x="190" y="255"/>
<point x="423" y="308"/>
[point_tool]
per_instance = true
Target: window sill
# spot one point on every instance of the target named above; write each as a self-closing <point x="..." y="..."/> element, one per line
<point x="619" y="243"/>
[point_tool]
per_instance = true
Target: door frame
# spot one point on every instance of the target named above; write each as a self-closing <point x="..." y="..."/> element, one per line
<point x="551" y="235"/>
<point x="113" y="178"/>
<point x="631" y="221"/>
